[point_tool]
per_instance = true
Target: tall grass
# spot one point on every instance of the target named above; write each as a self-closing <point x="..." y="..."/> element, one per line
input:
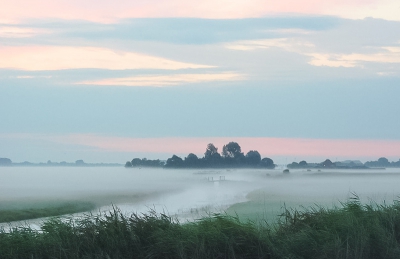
<point x="351" y="231"/>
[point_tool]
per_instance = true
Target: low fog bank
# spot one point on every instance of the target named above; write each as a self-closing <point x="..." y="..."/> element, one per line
<point x="190" y="194"/>
<point x="339" y="185"/>
<point x="139" y="190"/>
<point x="100" y="185"/>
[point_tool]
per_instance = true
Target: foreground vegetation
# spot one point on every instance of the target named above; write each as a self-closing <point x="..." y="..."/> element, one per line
<point x="352" y="231"/>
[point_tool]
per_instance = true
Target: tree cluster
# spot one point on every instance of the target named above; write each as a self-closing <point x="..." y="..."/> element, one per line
<point x="301" y="164"/>
<point x="348" y="164"/>
<point x="137" y="162"/>
<point x="231" y="156"/>
<point x="382" y="162"/>
<point x="326" y="164"/>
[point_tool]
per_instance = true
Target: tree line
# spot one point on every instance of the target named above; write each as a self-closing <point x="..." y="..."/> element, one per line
<point x="231" y="157"/>
<point x="383" y="162"/>
<point x="348" y="164"/>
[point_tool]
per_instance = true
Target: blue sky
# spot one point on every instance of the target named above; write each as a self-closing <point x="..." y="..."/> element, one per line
<point x="308" y="76"/>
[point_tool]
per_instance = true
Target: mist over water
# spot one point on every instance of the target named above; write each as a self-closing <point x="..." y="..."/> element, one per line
<point x="190" y="194"/>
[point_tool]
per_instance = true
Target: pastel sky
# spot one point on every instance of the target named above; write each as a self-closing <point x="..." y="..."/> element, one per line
<point x="107" y="81"/>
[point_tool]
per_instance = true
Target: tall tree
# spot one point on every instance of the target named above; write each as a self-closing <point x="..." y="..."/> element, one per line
<point x="231" y="150"/>
<point x="128" y="164"/>
<point x="174" y="161"/>
<point x="136" y="162"/>
<point x="211" y="151"/>
<point x="328" y="163"/>
<point x="383" y="161"/>
<point x="303" y="163"/>
<point x="253" y="158"/>
<point x="233" y="155"/>
<point x="267" y="163"/>
<point x="191" y="160"/>
<point x="211" y="157"/>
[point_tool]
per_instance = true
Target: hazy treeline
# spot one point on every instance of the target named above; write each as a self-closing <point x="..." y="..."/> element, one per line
<point x="5" y="161"/>
<point x="80" y="163"/>
<point x="137" y="162"/>
<point x="348" y="164"/>
<point x="382" y="162"/>
<point x="328" y="164"/>
<point x="231" y="156"/>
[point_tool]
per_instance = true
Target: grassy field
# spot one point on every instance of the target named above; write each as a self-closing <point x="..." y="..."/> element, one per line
<point x="17" y="212"/>
<point x="263" y="205"/>
<point x="351" y="231"/>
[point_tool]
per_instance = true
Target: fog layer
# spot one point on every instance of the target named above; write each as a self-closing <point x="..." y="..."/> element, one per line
<point x="189" y="194"/>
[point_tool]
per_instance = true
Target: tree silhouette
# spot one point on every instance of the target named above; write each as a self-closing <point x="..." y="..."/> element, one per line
<point x="79" y="162"/>
<point x="211" y="151"/>
<point x="267" y="163"/>
<point x="128" y="164"/>
<point x="191" y="160"/>
<point x="327" y="163"/>
<point x="174" y="161"/>
<point x="211" y="157"/>
<point x="5" y="161"/>
<point x="253" y="157"/>
<point x="383" y="161"/>
<point x="231" y="150"/>
<point x="303" y="163"/>
<point x="232" y="156"/>
<point x="136" y="162"/>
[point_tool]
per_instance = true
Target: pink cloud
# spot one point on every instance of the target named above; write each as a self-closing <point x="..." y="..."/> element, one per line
<point x="65" y="57"/>
<point x="276" y="148"/>
<point x="108" y="11"/>
<point x="164" y="80"/>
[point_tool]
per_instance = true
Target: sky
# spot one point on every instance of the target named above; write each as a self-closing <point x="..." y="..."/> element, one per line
<point x="108" y="81"/>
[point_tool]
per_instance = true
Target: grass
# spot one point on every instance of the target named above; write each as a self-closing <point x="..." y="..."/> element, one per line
<point x="353" y="230"/>
<point x="17" y="210"/>
<point x="266" y="206"/>
<point x="16" y="213"/>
